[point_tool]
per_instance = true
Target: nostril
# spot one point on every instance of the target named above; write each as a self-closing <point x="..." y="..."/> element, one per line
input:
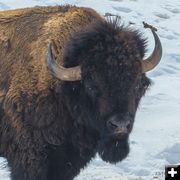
<point x="111" y="125"/>
<point x="128" y="126"/>
<point x="119" y="127"/>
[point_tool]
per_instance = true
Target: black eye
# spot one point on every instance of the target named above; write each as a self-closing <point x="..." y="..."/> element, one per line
<point x="141" y="87"/>
<point x="91" y="90"/>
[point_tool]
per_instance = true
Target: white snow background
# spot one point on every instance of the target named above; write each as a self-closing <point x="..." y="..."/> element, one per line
<point x="155" y="140"/>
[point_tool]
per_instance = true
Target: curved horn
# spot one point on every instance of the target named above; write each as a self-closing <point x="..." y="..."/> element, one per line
<point x="64" y="74"/>
<point x="152" y="61"/>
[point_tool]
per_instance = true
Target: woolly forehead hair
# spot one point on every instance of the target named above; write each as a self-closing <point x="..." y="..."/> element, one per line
<point x="102" y="35"/>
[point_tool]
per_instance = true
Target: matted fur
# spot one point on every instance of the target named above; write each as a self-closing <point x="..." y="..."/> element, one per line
<point x="50" y="129"/>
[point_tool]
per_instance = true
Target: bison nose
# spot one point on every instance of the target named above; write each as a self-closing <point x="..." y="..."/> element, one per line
<point x="119" y="125"/>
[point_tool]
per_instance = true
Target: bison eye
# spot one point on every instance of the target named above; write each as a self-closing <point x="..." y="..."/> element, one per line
<point x="141" y="87"/>
<point x="91" y="90"/>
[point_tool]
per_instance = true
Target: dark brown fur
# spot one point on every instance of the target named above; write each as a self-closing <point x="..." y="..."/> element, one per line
<point x="26" y="82"/>
<point x="50" y="129"/>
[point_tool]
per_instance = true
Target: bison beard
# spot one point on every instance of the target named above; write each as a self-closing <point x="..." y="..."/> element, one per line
<point x="56" y="115"/>
<point x="113" y="150"/>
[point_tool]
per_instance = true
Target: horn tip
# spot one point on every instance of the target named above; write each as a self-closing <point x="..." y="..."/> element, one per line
<point x="146" y="25"/>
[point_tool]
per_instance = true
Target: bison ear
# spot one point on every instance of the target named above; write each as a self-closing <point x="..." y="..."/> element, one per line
<point x="153" y="60"/>
<point x="60" y="72"/>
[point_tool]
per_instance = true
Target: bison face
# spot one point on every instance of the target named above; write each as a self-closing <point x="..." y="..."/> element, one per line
<point x="104" y="82"/>
<point x="113" y="100"/>
<point x="104" y="103"/>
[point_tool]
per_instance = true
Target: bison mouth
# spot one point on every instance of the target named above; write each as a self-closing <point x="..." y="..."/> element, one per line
<point x="113" y="149"/>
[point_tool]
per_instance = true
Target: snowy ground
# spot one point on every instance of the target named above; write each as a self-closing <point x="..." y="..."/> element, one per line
<point x="155" y="140"/>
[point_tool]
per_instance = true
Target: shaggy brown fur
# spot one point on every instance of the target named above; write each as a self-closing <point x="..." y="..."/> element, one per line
<point x="24" y="78"/>
<point x="50" y="129"/>
<point x="25" y="34"/>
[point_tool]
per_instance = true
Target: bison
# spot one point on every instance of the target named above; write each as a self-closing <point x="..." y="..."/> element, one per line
<point x="70" y="85"/>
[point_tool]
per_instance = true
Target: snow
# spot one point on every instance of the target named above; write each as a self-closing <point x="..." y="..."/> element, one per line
<point x="155" y="140"/>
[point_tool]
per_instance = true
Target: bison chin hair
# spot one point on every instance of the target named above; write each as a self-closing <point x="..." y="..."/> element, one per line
<point x="113" y="150"/>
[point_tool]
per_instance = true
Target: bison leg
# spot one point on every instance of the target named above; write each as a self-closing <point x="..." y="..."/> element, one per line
<point x="65" y="161"/>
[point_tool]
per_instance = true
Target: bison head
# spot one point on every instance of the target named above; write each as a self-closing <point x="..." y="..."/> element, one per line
<point x="104" y="74"/>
